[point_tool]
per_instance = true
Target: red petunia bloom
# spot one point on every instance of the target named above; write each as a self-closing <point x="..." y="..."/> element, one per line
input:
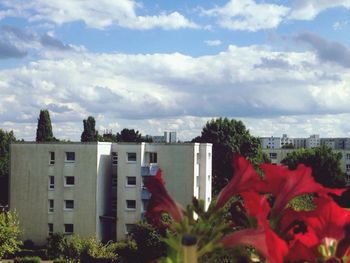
<point x="325" y="225"/>
<point x="273" y="248"/>
<point x="256" y="205"/>
<point x="285" y="184"/>
<point x="244" y="179"/>
<point x="160" y="201"/>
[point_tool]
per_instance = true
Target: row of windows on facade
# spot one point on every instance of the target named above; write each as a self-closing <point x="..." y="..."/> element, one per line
<point x="69" y="228"/>
<point x="70" y="181"/>
<point x="69" y="157"/>
<point x="69" y="205"/>
<point x="131" y="157"/>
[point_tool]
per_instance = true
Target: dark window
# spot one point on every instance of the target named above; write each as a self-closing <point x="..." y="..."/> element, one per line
<point x="153" y="157"/>
<point x="70" y="156"/>
<point x="114" y="158"/>
<point x="131" y="180"/>
<point x="131" y="157"/>
<point x="129" y="227"/>
<point x="50" y="229"/>
<point x="68" y="228"/>
<point x="51" y="205"/>
<point x="52" y="158"/>
<point x="69" y="204"/>
<point x="131" y="204"/>
<point x="51" y="182"/>
<point x="69" y="180"/>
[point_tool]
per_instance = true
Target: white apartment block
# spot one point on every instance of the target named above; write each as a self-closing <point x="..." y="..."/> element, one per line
<point x="97" y="188"/>
<point x="275" y="142"/>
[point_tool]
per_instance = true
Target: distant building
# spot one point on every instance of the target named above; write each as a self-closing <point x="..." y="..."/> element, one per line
<point x="97" y="188"/>
<point x="168" y="137"/>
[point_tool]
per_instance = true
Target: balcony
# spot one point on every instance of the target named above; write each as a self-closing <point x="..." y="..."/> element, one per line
<point x="150" y="170"/>
<point x="145" y="195"/>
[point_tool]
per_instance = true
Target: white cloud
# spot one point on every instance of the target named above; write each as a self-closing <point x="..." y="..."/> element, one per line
<point x="213" y="43"/>
<point x="309" y="9"/>
<point x="156" y="92"/>
<point x="248" y="15"/>
<point x="96" y="14"/>
<point x="339" y="25"/>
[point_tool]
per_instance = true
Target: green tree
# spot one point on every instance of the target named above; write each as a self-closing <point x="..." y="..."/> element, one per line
<point x="129" y="135"/>
<point x="6" y="138"/>
<point x="9" y="233"/>
<point x="89" y="134"/>
<point x="148" y="241"/>
<point x="228" y="137"/>
<point x="44" y="130"/>
<point x="325" y="164"/>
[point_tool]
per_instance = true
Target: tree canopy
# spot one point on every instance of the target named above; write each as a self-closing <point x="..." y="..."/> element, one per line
<point x="130" y="135"/>
<point x="229" y="136"/>
<point x="89" y="134"/>
<point x="6" y="138"/>
<point x="325" y="164"/>
<point x="44" y="130"/>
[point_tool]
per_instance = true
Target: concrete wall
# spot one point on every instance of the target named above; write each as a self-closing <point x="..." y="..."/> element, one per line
<point x="29" y="191"/>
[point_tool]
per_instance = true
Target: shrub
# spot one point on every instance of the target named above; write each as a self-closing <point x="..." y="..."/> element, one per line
<point x="9" y="233"/>
<point x="28" y="260"/>
<point x="55" y="246"/>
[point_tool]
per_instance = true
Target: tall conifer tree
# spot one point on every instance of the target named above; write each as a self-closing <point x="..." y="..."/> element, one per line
<point x="44" y="130"/>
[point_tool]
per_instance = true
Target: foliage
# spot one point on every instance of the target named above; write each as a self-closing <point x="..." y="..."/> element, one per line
<point x="148" y="241"/>
<point x="55" y="245"/>
<point x="28" y="260"/>
<point x="89" y="134"/>
<point x="44" y="129"/>
<point x="9" y="233"/>
<point x="130" y="135"/>
<point x="325" y="164"/>
<point x="6" y="138"/>
<point x="228" y="136"/>
<point x="126" y="251"/>
<point x="72" y="248"/>
<point x="262" y="225"/>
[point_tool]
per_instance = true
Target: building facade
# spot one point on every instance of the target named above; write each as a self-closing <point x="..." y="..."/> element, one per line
<point x="97" y="188"/>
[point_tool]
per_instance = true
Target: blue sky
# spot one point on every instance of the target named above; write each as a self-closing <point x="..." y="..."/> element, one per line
<point x="279" y="66"/>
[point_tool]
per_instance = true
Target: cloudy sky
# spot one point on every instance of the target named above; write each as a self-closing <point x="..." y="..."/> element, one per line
<point x="280" y="66"/>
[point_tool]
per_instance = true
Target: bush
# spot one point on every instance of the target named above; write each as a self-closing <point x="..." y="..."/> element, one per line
<point x="28" y="260"/>
<point x="42" y="253"/>
<point x="55" y="246"/>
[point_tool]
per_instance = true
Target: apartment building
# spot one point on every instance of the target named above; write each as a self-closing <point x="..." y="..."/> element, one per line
<point x="97" y="188"/>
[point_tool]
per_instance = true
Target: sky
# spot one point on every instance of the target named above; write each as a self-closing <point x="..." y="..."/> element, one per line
<point x="280" y="66"/>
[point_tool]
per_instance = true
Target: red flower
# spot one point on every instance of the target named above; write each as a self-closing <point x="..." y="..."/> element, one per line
<point x="244" y="178"/>
<point x="256" y="205"/>
<point x="263" y="239"/>
<point x="327" y="223"/>
<point x="286" y="184"/>
<point x="160" y="201"/>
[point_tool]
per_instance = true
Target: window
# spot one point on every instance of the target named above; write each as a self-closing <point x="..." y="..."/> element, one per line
<point x="70" y="156"/>
<point x="114" y="205"/>
<point x="273" y="155"/>
<point x="131" y="204"/>
<point x="114" y="181"/>
<point x="51" y="182"/>
<point x="348" y="156"/>
<point x="129" y="228"/>
<point x="68" y="204"/>
<point x="130" y="180"/>
<point x="131" y="157"/>
<point x="152" y="157"/>
<point x="198" y="158"/>
<point x="51" y="158"/>
<point x="209" y="155"/>
<point x="348" y="167"/>
<point x="68" y="229"/>
<point x="50" y="229"/>
<point x="114" y="158"/>
<point x="69" y="181"/>
<point x="51" y="205"/>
